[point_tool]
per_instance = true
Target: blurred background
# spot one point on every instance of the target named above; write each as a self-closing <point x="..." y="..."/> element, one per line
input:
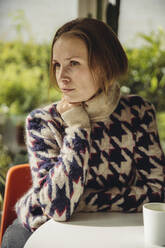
<point x="26" y="32"/>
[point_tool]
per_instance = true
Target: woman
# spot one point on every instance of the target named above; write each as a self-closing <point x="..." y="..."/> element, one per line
<point x="95" y="150"/>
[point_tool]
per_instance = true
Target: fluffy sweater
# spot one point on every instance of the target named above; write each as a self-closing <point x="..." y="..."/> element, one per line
<point x="104" y="155"/>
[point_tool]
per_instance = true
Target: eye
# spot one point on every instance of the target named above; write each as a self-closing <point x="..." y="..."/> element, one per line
<point x="55" y="66"/>
<point x="74" y="63"/>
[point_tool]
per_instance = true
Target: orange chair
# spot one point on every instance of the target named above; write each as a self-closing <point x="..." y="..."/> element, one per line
<point x="18" y="181"/>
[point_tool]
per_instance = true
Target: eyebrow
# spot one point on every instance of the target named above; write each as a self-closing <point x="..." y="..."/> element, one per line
<point x="54" y="60"/>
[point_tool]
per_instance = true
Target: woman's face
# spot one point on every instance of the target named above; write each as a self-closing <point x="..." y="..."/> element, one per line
<point x="74" y="78"/>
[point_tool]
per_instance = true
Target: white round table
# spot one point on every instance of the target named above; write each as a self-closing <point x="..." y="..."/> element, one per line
<point x="91" y="230"/>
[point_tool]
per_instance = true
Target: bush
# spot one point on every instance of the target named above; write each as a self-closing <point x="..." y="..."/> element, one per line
<point x="161" y="127"/>
<point x="5" y="162"/>
<point x="146" y="75"/>
<point x="24" y="77"/>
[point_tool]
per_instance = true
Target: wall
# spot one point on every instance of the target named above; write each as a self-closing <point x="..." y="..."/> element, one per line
<point x="44" y="16"/>
<point x="140" y="16"/>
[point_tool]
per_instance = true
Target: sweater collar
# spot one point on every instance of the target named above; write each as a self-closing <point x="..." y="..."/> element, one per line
<point x="102" y="106"/>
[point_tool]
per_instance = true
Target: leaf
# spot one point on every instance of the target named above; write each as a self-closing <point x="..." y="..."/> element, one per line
<point x="154" y="84"/>
<point x="162" y="82"/>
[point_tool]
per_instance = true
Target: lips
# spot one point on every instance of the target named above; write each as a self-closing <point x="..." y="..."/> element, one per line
<point x="66" y="90"/>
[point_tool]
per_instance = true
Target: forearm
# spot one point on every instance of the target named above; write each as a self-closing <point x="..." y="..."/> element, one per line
<point x="61" y="188"/>
<point x="59" y="174"/>
<point x="128" y="199"/>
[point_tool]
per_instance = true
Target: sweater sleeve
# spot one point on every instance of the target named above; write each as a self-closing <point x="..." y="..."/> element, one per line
<point x="58" y="170"/>
<point x="148" y="164"/>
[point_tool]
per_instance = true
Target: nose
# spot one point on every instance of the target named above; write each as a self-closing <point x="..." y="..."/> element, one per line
<point x="62" y="75"/>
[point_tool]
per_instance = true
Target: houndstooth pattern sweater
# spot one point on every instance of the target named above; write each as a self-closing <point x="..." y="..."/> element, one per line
<point x="102" y="156"/>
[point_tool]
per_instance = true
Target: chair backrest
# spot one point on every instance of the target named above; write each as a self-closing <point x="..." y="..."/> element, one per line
<point x="18" y="181"/>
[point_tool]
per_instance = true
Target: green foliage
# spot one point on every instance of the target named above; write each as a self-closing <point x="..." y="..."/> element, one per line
<point x="5" y="161"/>
<point x="24" y="76"/>
<point x="161" y="127"/>
<point x="146" y="75"/>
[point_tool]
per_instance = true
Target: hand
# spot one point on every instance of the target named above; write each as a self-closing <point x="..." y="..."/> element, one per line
<point x="64" y="105"/>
